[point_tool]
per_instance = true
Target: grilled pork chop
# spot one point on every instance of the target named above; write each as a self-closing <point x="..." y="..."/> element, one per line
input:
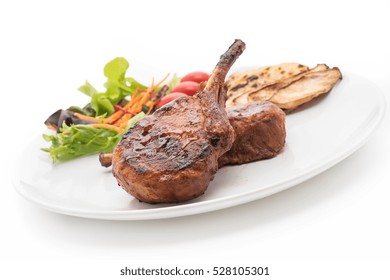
<point x="260" y="132"/>
<point x="172" y="155"/>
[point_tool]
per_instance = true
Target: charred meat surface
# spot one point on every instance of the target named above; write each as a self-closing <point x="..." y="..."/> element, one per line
<point x="260" y="132"/>
<point x="172" y="155"/>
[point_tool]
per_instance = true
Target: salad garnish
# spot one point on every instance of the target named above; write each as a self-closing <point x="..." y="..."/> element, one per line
<point x="99" y="125"/>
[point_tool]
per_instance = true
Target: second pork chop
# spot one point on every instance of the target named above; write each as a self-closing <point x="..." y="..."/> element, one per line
<point x="260" y="132"/>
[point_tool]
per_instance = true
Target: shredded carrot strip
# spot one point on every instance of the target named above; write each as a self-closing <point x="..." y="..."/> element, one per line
<point x="107" y="126"/>
<point x="129" y="107"/>
<point x="150" y="104"/>
<point x="87" y="118"/>
<point x="118" y="120"/>
<point x="160" y="82"/>
<point x="122" y="122"/>
<point x="136" y="105"/>
<point x="114" y="116"/>
<point x="119" y="108"/>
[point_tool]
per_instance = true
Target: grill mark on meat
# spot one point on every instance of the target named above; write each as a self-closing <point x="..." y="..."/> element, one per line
<point x="214" y="140"/>
<point x="171" y="148"/>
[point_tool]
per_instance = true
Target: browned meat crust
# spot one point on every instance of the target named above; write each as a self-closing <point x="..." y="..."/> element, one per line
<point x="260" y="132"/>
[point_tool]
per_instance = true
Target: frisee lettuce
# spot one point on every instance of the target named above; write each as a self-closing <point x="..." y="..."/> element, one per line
<point x="79" y="140"/>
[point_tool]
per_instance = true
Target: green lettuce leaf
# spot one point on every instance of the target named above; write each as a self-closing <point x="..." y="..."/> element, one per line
<point x="116" y="69"/>
<point x="173" y="82"/>
<point x="79" y="140"/>
<point x="88" y="89"/>
<point x="117" y="88"/>
<point x="135" y="119"/>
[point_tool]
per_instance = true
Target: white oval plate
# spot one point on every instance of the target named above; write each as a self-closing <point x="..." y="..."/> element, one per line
<point x="318" y="137"/>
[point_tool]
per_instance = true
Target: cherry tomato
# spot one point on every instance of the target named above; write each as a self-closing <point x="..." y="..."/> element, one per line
<point x="170" y="97"/>
<point x="196" y="77"/>
<point x="187" y="87"/>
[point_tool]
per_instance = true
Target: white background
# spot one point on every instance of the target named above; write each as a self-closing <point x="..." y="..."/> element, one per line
<point x="334" y="226"/>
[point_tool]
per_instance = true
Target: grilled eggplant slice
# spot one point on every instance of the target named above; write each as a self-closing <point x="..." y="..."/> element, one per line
<point x="287" y="85"/>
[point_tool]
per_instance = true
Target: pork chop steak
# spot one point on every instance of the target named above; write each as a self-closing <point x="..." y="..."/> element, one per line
<point x="172" y="155"/>
<point x="260" y="132"/>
